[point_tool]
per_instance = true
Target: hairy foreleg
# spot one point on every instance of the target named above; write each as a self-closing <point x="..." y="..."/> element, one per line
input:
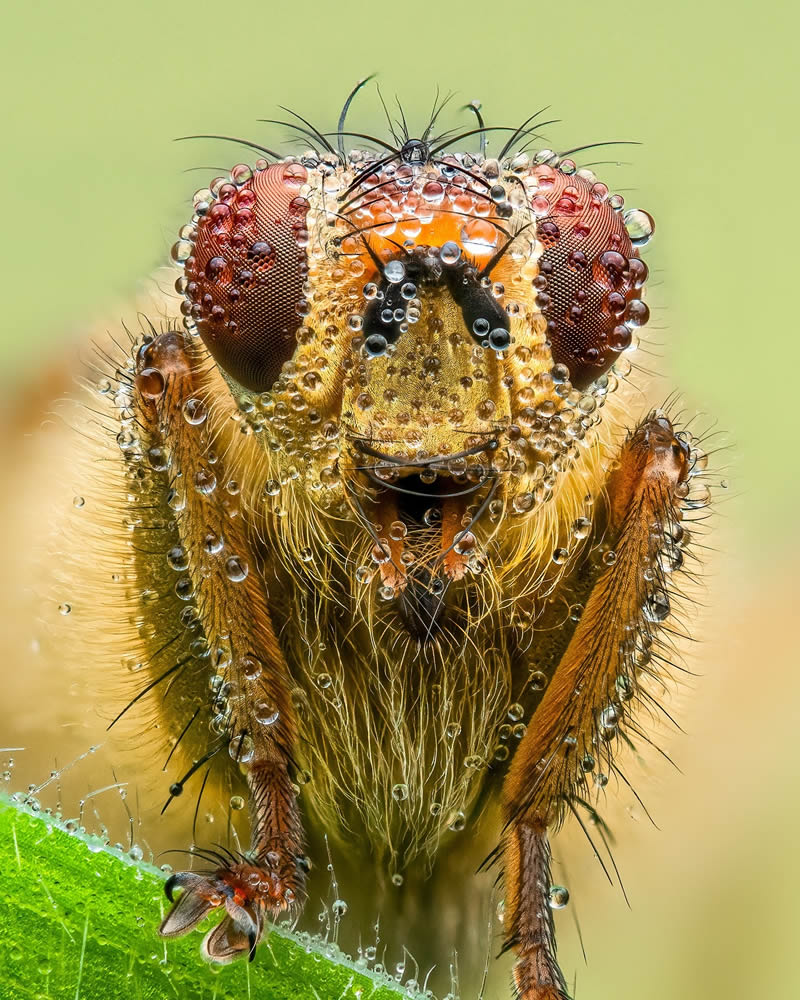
<point x="576" y="721"/>
<point x="250" y="682"/>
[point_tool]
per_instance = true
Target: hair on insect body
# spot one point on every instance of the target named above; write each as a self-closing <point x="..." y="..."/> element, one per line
<point x="393" y="550"/>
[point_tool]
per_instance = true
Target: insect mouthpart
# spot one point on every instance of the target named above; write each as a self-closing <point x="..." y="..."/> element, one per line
<point x="425" y="514"/>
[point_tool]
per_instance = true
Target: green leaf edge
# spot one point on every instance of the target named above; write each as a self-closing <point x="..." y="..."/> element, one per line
<point x="79" y="918"/>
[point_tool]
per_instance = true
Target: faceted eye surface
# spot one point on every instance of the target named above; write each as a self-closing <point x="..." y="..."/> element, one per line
<point x="590" y="274"/>
<point x="245" y="273"/>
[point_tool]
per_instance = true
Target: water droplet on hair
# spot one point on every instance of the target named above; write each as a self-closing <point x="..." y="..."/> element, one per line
<point x="236" y="569"/>
<point x="241" y="749"/>
<point x="558" y="897"/>
<point x="194" y="411"/>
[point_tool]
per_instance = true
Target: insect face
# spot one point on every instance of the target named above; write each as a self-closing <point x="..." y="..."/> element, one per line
<point x="420" y="329"/>
<point x="415" y="571"/>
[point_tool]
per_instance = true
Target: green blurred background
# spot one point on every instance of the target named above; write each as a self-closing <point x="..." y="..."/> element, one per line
<point x="95" y="190"/>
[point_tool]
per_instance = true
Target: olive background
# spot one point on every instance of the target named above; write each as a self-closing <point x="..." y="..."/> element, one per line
<point x="94" y="191"/>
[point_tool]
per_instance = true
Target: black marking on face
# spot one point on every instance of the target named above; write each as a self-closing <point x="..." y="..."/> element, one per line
<point x="385" y="317"/>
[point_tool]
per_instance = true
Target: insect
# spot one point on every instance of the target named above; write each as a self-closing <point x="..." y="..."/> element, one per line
<point x="398" y="554"/>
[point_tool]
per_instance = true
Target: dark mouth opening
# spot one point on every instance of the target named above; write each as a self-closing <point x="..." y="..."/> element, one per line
<point x="425" y="538"/>
<point x="434" y="517"/>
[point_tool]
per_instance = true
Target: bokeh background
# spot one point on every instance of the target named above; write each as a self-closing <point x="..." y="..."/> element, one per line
<point x="94" y="190"/>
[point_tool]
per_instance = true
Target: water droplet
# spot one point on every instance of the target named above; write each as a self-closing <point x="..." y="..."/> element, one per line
<point x="639" y="226"/>
<point x="236" y="802"/>
<point x="184" y="588"/>
<point x="581" y="527"/>
<point x="338" y="908"/>
<point x="558" y="897"/>
<point x="515" y="712"/>
<point x="394" y="272"/>
<point x="205" y="481"/>
<point x="194" y="411"/>
<point x="538" y="680"/>
<point x="397" y="530"/>
<point x="265" y="713"/>
<point x="450" y="253"/>
<point x="656" y="607"/>
<point x="178" y="558"/>
<point x="64" y="609"/>
<point x="181" y="251"/>
<point x="400" y="792"/>
<point x="236" y="569"/>
<point x="241" y="748"/>
<point x="458" y="822"/>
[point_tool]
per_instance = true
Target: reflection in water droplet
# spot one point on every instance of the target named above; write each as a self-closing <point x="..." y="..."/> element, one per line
<point x="400" y="792"/>
<point x="236" y="569"/>
<point x="241" y="748"/>
<point x="639" y="225"/>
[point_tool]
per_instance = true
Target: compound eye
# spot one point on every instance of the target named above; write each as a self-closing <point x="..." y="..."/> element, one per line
<point x="590" y="275"/>
<point x="244" y="272"/>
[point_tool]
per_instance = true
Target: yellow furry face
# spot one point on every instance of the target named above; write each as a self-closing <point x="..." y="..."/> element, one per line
<point x="419" y="342"/>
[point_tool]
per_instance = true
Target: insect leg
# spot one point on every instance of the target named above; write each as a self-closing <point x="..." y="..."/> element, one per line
<point x="584" y="700"/>
<point x="175" y="412"/>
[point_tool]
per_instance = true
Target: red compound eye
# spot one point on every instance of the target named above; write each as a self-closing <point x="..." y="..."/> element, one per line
<point x="245" y="271"/>
<point x="590" y="274"/>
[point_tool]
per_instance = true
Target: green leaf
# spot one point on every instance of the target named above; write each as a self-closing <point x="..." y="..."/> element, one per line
<point x="78" y="922"/>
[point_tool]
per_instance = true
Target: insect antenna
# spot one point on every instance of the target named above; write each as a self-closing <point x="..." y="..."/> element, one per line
<point x="340" y="133"/>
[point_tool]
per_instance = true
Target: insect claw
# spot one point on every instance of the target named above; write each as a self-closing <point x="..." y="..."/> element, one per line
<point x="169" y="885"/>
